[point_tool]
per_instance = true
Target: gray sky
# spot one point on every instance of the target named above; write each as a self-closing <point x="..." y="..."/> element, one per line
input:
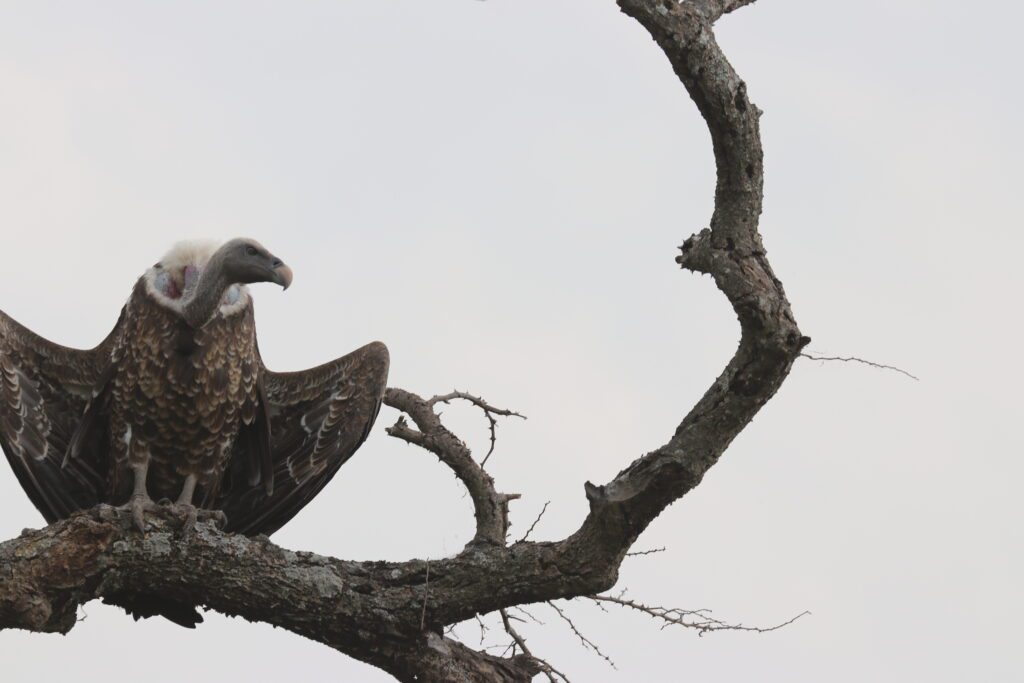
<point x="496" y="190"/>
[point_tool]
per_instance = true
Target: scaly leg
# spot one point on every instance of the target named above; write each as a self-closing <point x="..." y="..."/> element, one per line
<point x="193" y="514"/>
<point x="187" y="490"/>
<point x="140" y="500"/>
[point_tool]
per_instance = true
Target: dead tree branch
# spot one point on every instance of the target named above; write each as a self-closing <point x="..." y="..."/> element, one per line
<point x="586" y="642"/>
<point x="489" y="412"/>
<point x="490" y="507"/>
<point x="698" y="619"/>
<point x="713" y="9"/>
<point x="535" y="522"/>
<point x="389" y="614"/>
<point x="854" y="359"/>
<point x="552" y="674"/>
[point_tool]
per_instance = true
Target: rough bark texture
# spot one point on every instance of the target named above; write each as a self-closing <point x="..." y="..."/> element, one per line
<point x="392" y="614"/>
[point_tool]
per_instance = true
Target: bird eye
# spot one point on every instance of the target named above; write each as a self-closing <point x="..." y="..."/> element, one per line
<point x="250" y="251"/>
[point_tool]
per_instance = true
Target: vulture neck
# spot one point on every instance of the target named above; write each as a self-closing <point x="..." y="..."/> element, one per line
<point x="204" y="300"/>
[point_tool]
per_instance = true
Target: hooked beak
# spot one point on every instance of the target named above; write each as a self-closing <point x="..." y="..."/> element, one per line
<point x="282" y="274"/>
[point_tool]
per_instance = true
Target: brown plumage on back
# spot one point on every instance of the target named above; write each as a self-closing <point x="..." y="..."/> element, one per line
<point x="176" y="403"/>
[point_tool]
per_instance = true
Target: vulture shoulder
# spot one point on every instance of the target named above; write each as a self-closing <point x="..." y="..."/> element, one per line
<point x="317" y="419"/>
<point x="46" y="390"/>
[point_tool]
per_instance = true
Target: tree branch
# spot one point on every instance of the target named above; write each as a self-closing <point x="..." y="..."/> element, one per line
<point x="490" y="507"/>
<point x="732" y="253"/>
<point x="713" y="9"/>
<point x="535" y="521"/>
<point x="698" y="619"/>
<point x="393" y="614"/>
<point x="372" y="611"/>
<point x="854" y="359"/>
<point x="489" y="412"/>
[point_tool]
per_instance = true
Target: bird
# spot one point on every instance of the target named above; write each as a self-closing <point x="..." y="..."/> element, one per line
<point x="175" y="408"/>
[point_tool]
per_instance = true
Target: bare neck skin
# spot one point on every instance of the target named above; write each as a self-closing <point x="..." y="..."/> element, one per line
<point x="204" y="299"/>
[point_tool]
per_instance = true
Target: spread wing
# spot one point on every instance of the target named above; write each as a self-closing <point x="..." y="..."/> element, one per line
<point x="318" y="418"/>
<point x="45" y="390"/>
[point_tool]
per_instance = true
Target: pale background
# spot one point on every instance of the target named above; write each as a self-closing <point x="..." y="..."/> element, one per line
<point x="496" y="190"/>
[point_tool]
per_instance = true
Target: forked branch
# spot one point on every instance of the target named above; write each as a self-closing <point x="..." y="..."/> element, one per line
<point x="488" y="410"/>
<point x="700" y="620"/>
<point x="490" y="507"/>
<point x="394" y="615"/>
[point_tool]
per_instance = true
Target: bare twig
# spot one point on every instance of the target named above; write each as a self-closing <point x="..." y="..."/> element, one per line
<point x="853" y="359"/>
<point x="520" y="608"/>
<point x="426" y="595"/>
<point x="539" y="515"/>
<point x="698" y="619"/>
<point x="549" y="671"/>
<point x="489" y="411"/>
<point x="652" y="551"/>
<point x="483" y="628"/>
<point x="587" y="643"/>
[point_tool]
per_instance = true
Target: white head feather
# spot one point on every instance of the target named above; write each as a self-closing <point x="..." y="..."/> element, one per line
<point x="189" y="253"/>
<point x="168" y="280"/>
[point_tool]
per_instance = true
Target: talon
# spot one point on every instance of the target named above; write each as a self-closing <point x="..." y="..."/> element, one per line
<point x="220" y="519"/>
<point x="215" y="517"/>
<point x="189" y="524"/>
<point x="190" y="515"/>
<point x="138" y="504"/>
<point x="137" y="507"/>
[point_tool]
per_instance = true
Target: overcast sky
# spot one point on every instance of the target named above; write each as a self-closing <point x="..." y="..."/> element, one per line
<point x="496" y="190"/>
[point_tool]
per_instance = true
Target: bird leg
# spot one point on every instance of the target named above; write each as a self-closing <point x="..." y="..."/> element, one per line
<point x="187" y="490"/>
<point x="140" y="501"/>
<point x="192" y="514"/>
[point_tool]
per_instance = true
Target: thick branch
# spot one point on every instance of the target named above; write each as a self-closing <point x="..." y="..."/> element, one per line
<point x="371" y="611"/>
<point x="732" y="253"/>
<point x="389" y="614"/>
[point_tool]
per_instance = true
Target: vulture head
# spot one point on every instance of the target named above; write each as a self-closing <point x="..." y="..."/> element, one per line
<point x="196" y="278"/>
<point x="246" y="261"/>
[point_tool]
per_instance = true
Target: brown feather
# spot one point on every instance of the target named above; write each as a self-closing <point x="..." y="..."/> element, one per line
<point x="192" y="402"/>
<point x="189" y="411"/>
<point x="318" y="418"/>
<point x="45" y="389"/>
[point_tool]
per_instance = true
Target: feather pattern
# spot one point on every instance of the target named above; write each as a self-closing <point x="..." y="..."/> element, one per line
<point x="318" y="418"/>
<point x="180" y="402"/>
<point x="45" y="390"/>
<point x="180" y="397"/>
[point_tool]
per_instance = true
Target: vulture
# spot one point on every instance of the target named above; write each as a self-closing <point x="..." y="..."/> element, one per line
<point x="175" y="407"/>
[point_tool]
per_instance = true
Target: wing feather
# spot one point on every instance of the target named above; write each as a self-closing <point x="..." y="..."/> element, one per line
<point x="45" y="389"/>
<point x="318" y="418"/>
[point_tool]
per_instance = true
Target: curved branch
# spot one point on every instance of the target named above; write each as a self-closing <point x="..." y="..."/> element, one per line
<point x="490" y="507"/>
<point x="732" y="253"/>
<point x="488" y="410"/>
<point x="388" y="614"/>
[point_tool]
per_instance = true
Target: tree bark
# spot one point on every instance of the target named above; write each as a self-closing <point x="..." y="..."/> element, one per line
<point x="393" y="614"/>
